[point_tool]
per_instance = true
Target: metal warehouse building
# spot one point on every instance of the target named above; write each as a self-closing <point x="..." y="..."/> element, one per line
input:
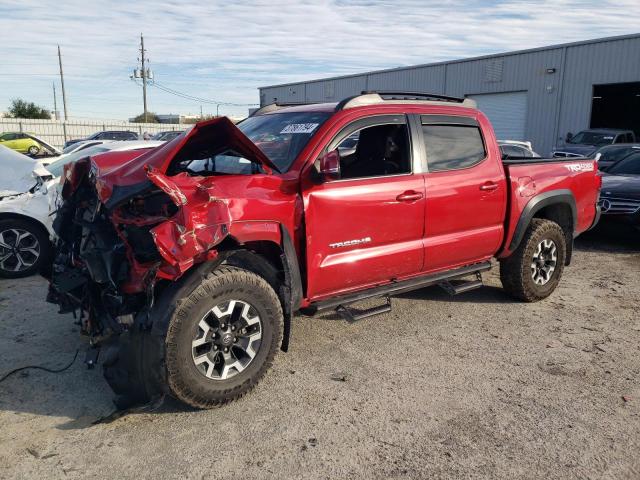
<point x="537" y="95"/>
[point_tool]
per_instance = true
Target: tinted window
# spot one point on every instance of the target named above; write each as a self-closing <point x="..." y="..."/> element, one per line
<point x="627" y="166"/>
<point x="378" y="150"/>
<point x="9" y="136"/>
<point x="451" y="147"/>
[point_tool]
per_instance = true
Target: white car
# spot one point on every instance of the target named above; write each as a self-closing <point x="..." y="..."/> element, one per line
<point x="516" y="149"/>
<point x="28" y="193"/>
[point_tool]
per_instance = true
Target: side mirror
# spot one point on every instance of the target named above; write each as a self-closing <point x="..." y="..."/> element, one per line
<point x="330" y="166"/>
<point x="569" y="136"/>
<point x="597" y="157"/>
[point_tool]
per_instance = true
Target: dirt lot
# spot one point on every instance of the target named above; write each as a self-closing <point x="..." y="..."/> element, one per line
<point x="469" y="386"/>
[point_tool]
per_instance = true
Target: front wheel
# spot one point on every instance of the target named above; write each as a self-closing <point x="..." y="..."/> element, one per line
<point x="533" y="270"/>
<point x="23" y="248"/>
<point x="34" y="150"/>
<point x="222" y="337"/>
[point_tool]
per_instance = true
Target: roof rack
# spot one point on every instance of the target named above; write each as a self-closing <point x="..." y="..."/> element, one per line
<point x="372" y="97"/>
<point x="272" y="107"/>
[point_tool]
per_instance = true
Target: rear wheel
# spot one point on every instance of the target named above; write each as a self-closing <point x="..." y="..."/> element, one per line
<point x="534" y="269"/>
<point x="222" y="337"/>
<point x="24" y="246"/>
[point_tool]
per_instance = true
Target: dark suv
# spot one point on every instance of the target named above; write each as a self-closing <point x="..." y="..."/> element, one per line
<point x="107" y="135"/>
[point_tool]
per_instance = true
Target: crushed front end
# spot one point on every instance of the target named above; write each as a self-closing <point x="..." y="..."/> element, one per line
<point x="110" y="262"/>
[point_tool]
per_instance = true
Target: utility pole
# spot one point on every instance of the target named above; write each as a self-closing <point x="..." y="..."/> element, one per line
<point x="64" y="95"/>
<point x="144" y="78"/>
<point x="217" y="110"/>
<point x="201" y="116"/>
<point x="55" y="102"/>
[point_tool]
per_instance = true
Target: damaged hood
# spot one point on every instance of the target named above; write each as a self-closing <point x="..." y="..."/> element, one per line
<point x="19" y="172"/>
<point x="116" y="181"/>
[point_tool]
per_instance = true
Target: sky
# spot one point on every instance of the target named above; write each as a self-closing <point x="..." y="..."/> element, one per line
<point x="222" y="51"/>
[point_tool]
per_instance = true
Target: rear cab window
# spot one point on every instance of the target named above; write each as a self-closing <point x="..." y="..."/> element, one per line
<point x="452" y="143"/>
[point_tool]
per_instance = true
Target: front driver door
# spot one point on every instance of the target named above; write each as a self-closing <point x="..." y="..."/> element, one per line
<point x="366" y="228"/>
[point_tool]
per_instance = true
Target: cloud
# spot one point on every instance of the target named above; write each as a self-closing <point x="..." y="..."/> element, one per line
<point x="225" y="50"/>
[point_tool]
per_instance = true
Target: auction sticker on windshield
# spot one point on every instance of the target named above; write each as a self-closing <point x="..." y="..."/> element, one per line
<point x="300" y="128"/>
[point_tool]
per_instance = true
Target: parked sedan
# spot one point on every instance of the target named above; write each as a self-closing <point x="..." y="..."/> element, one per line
<point x="607" y="156"/>
<point x="620" y="193"/>
<point x="27" y="195"/>
<point x="109" y="135"/>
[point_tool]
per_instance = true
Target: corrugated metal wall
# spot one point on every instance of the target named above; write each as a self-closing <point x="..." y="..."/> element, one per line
<point x="558" y="102"/>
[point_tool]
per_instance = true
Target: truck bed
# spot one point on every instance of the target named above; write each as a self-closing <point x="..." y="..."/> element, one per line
<point x="531" y="180"/>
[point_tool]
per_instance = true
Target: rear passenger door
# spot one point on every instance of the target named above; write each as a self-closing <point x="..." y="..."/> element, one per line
<point x="465" y="193"/>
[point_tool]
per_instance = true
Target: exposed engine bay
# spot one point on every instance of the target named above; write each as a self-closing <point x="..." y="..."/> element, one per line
<point x="125" y="230"/>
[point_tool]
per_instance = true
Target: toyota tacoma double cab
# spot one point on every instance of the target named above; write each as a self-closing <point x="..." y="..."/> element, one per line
<point x="186" y="264"/>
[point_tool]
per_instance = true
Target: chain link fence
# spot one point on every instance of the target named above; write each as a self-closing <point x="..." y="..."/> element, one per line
<point x="57" y="132"/>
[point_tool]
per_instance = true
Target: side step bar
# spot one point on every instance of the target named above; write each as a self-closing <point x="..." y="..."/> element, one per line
<point x="454" y="287"/>
<point x="352" y="316"/>
<point x="394" y="288"/>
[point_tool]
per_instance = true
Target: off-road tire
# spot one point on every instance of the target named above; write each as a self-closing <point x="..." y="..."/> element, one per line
<point x="515" y="270"/>
<point x="39" y="234"/>
<point x="184" y="380"/>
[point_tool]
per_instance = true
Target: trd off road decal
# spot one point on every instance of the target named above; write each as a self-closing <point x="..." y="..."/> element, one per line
<point x="580" y="167"/>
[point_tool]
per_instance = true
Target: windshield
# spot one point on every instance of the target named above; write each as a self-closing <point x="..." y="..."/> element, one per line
<point x="615" y="153"/>
<point x="592" y="138"/>
<point x="627" y="166"/>
<point x="281" y="136"/>
<point x="56" y="168"/>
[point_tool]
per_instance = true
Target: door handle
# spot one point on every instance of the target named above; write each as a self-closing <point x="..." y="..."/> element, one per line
<point x="488" y="186"/>
<point x="409" y="196"/>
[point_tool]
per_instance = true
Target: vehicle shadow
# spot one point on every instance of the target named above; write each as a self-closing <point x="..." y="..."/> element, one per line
<point x="485" y="294"/>
<point x="33" y="334"/>
<point x="610" y="237"/>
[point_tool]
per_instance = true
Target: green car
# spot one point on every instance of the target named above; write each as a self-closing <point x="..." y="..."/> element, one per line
<point x="20" y="142"/>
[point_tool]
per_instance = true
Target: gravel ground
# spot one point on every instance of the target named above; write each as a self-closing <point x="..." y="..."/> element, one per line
<point x="474" y="386"/>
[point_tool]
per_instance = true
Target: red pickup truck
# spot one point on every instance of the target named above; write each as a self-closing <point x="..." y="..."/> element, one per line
<point x="188" y="262"/>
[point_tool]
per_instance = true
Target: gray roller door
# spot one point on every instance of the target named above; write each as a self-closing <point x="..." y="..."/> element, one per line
<point x="507" y="112"/>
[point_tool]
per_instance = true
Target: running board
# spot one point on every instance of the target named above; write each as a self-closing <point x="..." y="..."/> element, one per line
<point x="395" y="288"/>
<point x="455" y="287"/>
<point x="352" y="316"/>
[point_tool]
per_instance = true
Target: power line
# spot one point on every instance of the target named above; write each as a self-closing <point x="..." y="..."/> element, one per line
<point x="199" y="99"/>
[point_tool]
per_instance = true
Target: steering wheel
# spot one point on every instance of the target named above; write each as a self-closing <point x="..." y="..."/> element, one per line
<point x="391" y="167"/>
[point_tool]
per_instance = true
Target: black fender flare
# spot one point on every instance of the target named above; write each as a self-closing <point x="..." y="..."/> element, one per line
<point x="292" y="288"/>
<point x="537" y="203"/>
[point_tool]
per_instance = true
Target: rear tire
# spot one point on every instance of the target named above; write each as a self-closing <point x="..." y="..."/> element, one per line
<point x="222" y="337"/>
<point x="534" y="269"/>
<point x="24" y="247"/>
